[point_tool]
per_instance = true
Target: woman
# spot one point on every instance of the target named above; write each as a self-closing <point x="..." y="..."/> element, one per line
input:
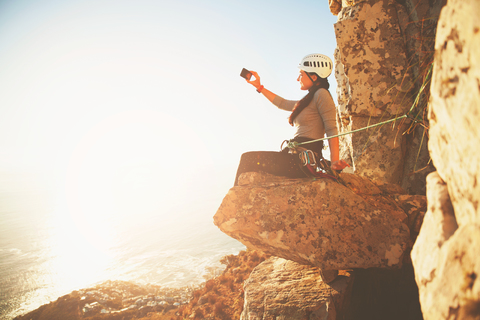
<point x="313" y="116"/>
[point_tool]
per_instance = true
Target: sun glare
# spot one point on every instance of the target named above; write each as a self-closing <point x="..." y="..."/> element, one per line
<point x="120" y="169"/>
<point x="80" y="251"/>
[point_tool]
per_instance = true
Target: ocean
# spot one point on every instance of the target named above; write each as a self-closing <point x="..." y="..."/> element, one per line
<point x="47" y="250"/>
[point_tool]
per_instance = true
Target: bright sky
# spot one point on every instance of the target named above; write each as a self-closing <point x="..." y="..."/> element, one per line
<point x="129" y="91"/>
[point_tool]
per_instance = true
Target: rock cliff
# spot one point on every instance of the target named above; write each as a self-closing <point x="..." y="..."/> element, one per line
<point x="371" y="65"/>
<point x="383" y="58"/>
<point x="446" y="255"/>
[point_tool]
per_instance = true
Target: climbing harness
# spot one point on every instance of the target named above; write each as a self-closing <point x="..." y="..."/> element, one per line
<point x="319" y="167"/>
<point x="312" y="164"/>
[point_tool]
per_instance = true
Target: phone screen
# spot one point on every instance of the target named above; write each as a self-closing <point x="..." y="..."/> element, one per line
<point x="246" y="74"/>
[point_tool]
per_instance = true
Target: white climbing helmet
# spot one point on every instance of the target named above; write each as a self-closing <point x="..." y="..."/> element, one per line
<point x="317" y="63"/>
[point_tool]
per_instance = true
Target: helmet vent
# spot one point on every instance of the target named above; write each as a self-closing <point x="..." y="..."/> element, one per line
<point x="317" y="63"/>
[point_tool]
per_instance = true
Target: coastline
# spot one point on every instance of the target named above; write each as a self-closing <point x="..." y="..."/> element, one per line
<point x="221" y="295"/>
<point x="114" y="297"/>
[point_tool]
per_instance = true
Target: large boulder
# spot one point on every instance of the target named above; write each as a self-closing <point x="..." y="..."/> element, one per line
<point x="324" y="223"/>
<point x="283" y="289"/>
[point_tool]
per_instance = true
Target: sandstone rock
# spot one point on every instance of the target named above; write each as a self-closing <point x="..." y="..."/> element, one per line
<point x="446" y="255"/>
<point x="389" y="188"/>
<point x="283" y="289"/>
<point x="415" y="207"/>
<point x="372" y="55"/>
<point x="446" y="258"/>
<point x="439" y="225"/>
<point x="372" y="73"/>
<point x="335" y="6"/>
<point x="317" y="222"/>
<point x="454" y="112"/>
<point x="384" y="52"/>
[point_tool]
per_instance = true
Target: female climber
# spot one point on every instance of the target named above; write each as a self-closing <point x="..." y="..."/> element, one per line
<point x="312" y="116"/>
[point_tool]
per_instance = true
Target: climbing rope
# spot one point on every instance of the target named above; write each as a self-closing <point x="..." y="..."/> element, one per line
<point x="293" y="144"/>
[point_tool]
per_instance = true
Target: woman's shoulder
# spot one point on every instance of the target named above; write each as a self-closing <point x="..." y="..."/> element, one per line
<point x="322" y="94"/>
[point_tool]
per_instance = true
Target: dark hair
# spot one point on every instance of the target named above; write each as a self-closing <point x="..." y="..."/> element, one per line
<point x="305" y="101"/>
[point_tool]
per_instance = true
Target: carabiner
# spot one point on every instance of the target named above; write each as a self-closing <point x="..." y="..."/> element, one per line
<point x="305" y="157"/>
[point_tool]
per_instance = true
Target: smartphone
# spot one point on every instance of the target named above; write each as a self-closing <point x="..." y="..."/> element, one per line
<point x="246" y="74"/>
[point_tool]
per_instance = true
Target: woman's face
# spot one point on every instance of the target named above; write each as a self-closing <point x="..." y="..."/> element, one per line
<point x="305" y="82"/>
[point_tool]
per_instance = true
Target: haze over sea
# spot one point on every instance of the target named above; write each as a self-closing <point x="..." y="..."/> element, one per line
<point x="45" y="252"/>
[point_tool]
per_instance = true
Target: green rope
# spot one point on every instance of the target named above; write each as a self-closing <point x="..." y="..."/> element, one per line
<point x="294" y="144"/>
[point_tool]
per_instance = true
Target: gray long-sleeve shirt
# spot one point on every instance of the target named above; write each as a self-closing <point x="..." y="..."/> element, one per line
<point x="318" y="118"/>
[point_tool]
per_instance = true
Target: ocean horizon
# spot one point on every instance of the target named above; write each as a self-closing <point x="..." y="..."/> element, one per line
<point x="46" y="251"/>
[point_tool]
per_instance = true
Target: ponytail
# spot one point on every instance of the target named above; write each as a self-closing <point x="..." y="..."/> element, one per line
<point x="305" y="101"/>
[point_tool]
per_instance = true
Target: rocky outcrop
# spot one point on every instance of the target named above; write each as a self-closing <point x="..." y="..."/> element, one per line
<point x="320" y="222"/>
<point x="113" y="300"/>
<point x="283" y="289"/>
<point x="371" y="69"/>
<point x="446" y="255"/>
<point x="383" y="57"/>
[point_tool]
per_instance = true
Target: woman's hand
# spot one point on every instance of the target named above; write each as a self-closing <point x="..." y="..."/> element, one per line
<point x="255" y="82"/>
<point x="339" y="165"/>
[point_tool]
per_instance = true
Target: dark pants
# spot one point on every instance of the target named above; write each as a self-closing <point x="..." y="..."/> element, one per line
<point x="279" y="163"/>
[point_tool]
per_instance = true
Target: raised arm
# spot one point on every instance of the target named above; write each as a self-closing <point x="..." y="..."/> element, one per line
<point x="256" y="83"/>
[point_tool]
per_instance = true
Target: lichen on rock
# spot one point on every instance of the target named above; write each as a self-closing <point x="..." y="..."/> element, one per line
<point x="320" y="222"/>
